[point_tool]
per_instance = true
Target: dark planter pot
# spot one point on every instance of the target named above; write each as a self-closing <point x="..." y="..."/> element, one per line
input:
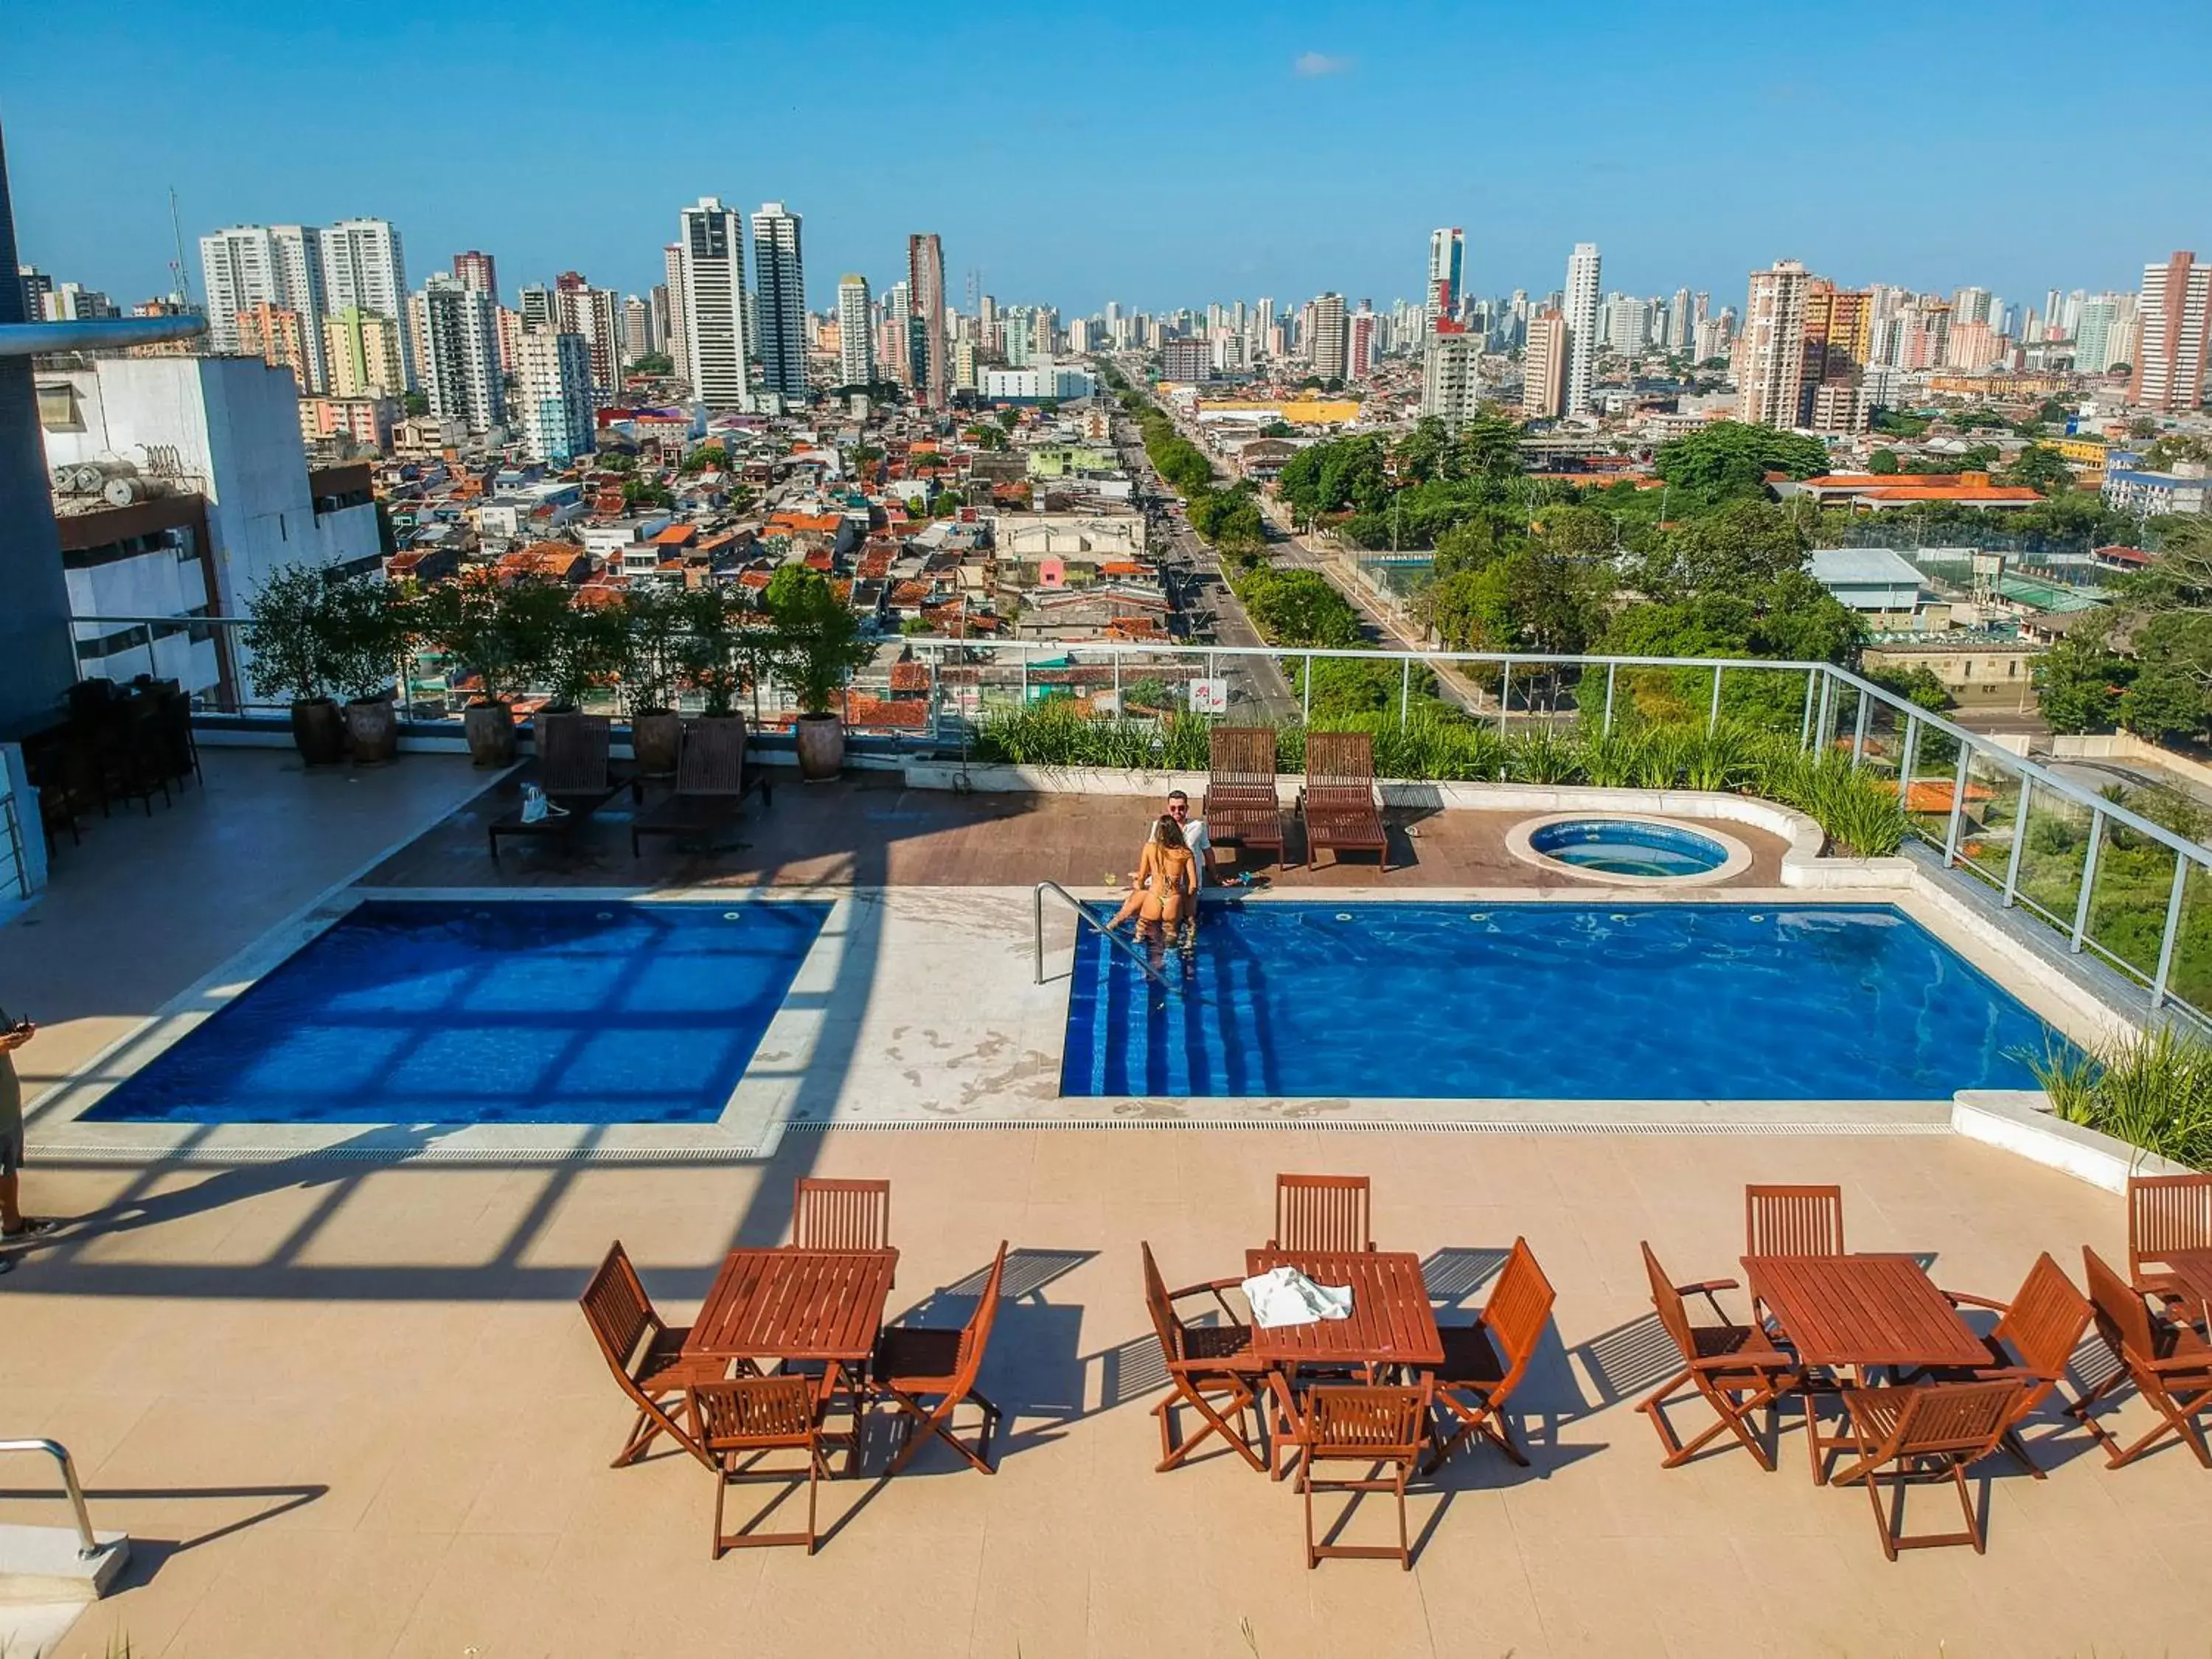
<point x="373" y="724"/>
<point x="656" y="738"/>
<point x="319" y="730"/>
<point x="821" y="740"/>
<point x="491" y="730"/>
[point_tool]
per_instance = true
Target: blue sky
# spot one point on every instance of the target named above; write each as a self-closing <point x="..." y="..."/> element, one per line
<point x="1161" y="156"/>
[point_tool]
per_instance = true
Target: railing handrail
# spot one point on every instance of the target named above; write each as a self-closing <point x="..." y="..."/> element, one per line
<point x="1083" y="913"/>
<point x="87" y="1546"/>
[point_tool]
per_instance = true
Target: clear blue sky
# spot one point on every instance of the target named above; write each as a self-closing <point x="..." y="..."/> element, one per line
<point x="1159" y="156"/>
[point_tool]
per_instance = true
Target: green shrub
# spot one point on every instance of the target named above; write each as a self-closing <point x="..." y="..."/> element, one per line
<point x="2153" y="1091"/>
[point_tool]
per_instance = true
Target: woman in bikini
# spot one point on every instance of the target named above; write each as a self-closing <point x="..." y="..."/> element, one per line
<point x="1166" y="882"/>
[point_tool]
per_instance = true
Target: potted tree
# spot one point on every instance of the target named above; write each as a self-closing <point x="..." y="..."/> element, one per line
<point x="584" y="648"/>
<point x="466" y="621"/>
<point x="367" y="627"/>
<point x="819" y="644"/>
<point x="647" y="657"/>
<point x="706" y="648"/>
<point x="289" y="646"/>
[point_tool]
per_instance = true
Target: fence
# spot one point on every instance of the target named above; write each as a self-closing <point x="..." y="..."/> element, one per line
<point x="2108" y="881"/>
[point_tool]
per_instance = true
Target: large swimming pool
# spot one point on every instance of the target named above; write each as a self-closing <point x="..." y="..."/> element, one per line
<point x="1547" y="1001"/>
<point x="516" y="1012"/>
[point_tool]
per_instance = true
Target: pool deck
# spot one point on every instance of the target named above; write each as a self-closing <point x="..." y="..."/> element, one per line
<point x="350" y="1407"/>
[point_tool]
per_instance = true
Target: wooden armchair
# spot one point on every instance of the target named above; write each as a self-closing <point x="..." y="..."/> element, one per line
<point x="1324" y="1214"/>
<point x="2033" y="1342"/>
<point x="1376" y="1427"/>
<point x="927" y="1374"/>
<point x="1205" y="1362"/>
<point x="1735" y="1369"/>
<point x="1793" y="1220"/>
<point x="1922" y="1434"/>
<point x="2169" y="1363"/>
<point x="1484" y="1362"/>
<point x="738" y="1420"/>
<point x="2166" y="1214"/>
<point x="644" y="1353"/>
<point x="840" y="1215"/>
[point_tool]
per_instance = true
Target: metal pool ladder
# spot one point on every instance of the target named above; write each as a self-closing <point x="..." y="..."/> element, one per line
<point x="1083" y="913"/>
<point x="87" y="1547"/>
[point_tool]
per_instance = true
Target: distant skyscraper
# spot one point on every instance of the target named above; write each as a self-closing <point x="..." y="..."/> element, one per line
<point x="856" y="332"/>
<point x="924" y="275"/>
<point x="595" y="313"/>
<point x="461" y="377"/>
<point x="637" y="329"/>
<point x="2176" y="314"/>
<point x="363" y="265"/>
<point x="1581" y="312"/>
<point x="553" y="395"/>
<point x="672" y="338"/>
<point x="1325" y="343"/>
<point x="1447" y="254"/>
<point x="1451" y="388"/>
<point x="712" y="239"/>
<point x="478" y="270"/>
<point x="1544" y="366"/>
<point x="1839" y="338"/>
<point x="279" y="265"/>
<point x="780" y="276"/>
<point x="363" y="352"/>
<point x="1772" y="372"/>
<point x="1359" y="345"/>
<point x="2097" y="326"/>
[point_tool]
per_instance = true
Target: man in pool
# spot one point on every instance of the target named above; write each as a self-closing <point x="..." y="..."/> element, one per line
<point x="1201" y="848"/>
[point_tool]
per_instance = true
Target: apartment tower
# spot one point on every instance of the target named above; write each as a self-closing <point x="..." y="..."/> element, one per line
<point x="924" y="288"/>
<point x="553" y="373"/>
<point x="363" y="265"/>
<point x="1581" y="305"/>
<point x="1770" y="363"/>
<point x="856" y="332"/>
<point x="779" y="280"/>
<point x="460" y="338"/>
<point x="1544" y="366"/>
<point x="479" y="270"/>
<point x="1325" y="340"/>
<point x="1447" y="254"/>
<point x="711" y="240"/>
<point x="2174" y="317"/>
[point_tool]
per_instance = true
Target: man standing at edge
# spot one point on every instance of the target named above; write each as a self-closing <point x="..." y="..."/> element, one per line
<point x="12" y="1223"/>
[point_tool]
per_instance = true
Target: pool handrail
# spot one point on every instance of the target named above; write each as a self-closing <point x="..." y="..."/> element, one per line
<point x="87" y="1545"/>
<point x="1083" y="912"/>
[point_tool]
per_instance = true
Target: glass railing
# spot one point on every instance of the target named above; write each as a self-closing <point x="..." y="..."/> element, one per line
<point x="2105" y="880"/>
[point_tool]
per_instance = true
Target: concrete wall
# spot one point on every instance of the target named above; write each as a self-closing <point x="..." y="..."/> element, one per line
<point x="2126" y="746"/>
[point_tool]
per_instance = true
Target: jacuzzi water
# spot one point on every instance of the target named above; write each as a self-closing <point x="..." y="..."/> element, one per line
<point x="1629" y="847"/>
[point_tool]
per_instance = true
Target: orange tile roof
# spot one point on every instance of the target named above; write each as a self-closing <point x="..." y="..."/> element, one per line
<point x="818" y="523"/>
<point x="677" y="535"/>
<point x="1124" y="567"/>
<point x="753" y="578"/>
<point x="818" y="560"/>
<point x="1934" y="795"/>
<point x="911" y="593"/>
<point x="909" y="677"/>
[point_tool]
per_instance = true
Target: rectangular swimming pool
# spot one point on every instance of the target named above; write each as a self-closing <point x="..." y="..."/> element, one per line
<point x="514" y="1011"/>
<point x="1547" y="1001"/>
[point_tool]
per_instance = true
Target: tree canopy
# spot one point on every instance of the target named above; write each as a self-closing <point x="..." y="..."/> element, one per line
<point x="1730" y="460"/>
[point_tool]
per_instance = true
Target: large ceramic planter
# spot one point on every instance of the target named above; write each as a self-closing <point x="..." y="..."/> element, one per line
<point x="489" y="727"/>
<point x="318" y="731"/>
<point x="656" y="738"/>
<point x="373" y="726"/>
<point x="821" y="739"/>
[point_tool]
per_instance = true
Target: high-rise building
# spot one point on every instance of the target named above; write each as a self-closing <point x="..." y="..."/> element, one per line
<point x="478" y="270"/>
<point x="536" y="305"/>
<point x="1186" y="361"/>
<point x="637" y="329"/>
<point x="1451" y="385"/>
<point x="2098" y="323"/>
<point x="1581" y="312"/>
<point x="1771" y="368"/>
<point x="460" y="374"/>
<point x="274" y="334"/>
<point x="36" y="286"/>
<point x="554" y="395"/>
<point x="711" y="239"/>
<point x="925" y="277"/>
<point x="779" y="274"/>
<point x="73" y="302"/>
<point x="1359" y="345"/>
<point x="2175" y="314"/>
<point x="673" y="340"/>
<point x="595" y="313"/>
<point x="1625" y="324"/>
<point x="1325" y="340"/>
<point x="1544" y="366"/>
<point x="856" y="341"/>
<point x="279" y="265"/>
<point x="1838" y="337"/>
<point x="1447" y="254"/>
<point x="1972" y="305"/>
<point x="363" y="265"/>
<point x="363" y="353"/>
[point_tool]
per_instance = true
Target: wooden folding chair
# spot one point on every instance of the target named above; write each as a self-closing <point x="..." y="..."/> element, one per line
<point x="645" y="1354"/>
<point x="840" y="1215"/>
<point x="1204" y="1364"/>
<point x="1380" y="1427"/>
<point x="2033" y="1342"/>
<point x="1791" y="1221"/>
<point x="928" y="1374"/>
<point x="2169" y="1363"/>
<point x="1484" y="1362"/>
<point x="1735" y="1368"/>
<point x="1324" y="1214"/>
<point x="737" y="1422"/>
<point x="2166" y="1214"/>
<point x="1922" y="1434"/>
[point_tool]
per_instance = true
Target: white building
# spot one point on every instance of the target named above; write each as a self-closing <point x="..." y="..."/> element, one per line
<point x="712" y="252"/>
<point x="856" y="332"/>
<point x="1581" y="297"/>
<point x="460" y="372"/>
<point x="780" y="273"/>
<point x="281" y="266"/>
<point x="1043" y="381"/>
<point x="1451" y="387"/>
<point x="554" y="396"/>
<point x="1771" y="368"/>
<point x="364" y="266"/>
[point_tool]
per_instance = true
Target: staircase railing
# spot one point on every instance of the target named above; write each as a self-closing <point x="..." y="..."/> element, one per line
<point x="1082" y="914"/>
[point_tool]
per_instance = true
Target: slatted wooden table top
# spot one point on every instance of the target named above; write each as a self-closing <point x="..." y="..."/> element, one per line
<point x="1391" y="1321"/>
<point x="1862" y="1310"/>
<point x="2194" y="1269"/>
<point x="795" y="1304"/>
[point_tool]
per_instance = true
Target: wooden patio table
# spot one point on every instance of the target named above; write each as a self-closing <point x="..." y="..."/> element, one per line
<point x="1861" y="1312"/>
<point x="825" y="1306"/>
<point x="1391" y="1321"/>
<point x="2193" y="1268"/>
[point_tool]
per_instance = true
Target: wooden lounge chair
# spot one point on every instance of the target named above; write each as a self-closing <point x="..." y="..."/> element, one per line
<point x="1484" y="1362"/>
<point x="2169" y="1363"/>
<point x="711" y="782"/>
<point x="576" y="775"/>
<point x="1926" y="1433"/>
<point x="928" y="1374"/>
<point x="1735" y="1368"/>
<point x="737" y="1421"/>
<point x="1376" y="1427"/>
<point x="1240" y="805"/>
<point x="2033" y="1342"/>
<point x="1324" y="1214"/>
<point x="645" y="1354"/>
<point x="1205" y="1362"/>
<point x="1338" y="802"/>
<point x="2166" y="1214"/>
<point x="840" y="1215"/>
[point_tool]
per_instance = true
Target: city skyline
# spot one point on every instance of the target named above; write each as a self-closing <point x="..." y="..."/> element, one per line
<point x="1300" y="197"/>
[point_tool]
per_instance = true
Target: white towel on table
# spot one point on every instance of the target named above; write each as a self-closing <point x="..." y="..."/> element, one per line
<point x="1284" y="1295"/>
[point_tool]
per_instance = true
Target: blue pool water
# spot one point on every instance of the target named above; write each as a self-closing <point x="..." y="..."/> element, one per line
<point x="1627" y="847"/>
<point x="540" y="1012"/>
<point x="1545" y="1002"/>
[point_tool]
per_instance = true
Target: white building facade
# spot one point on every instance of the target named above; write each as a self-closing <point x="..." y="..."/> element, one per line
<point x="710" y="240"/>
<point x="554" y="396"/>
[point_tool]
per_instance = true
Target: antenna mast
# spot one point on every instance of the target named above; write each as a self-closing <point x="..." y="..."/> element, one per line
<point x="177" y="265"/>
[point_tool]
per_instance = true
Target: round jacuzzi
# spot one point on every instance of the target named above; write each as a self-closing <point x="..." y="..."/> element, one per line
<point x="1630" y="851"/>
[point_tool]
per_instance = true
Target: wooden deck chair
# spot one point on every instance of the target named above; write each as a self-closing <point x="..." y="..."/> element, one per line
<point x="1206" y="1364"/>
<point x="737" y="1422"/>
<point x="1923" y="1434"/>
<point x="575" y="772"/>
<point x="2166" y="1214"/>
<point x="1338" y="803"/>
<point x="1323" y="1214"/>
<point x="2032" y="1341"/>
<point x="1379" y="1427"/>
<point x="1240" y="805"/>
<point x="1735" y="1368"/>
<point x="2169" y="1363"/>
<point x="1484" y="1362"/>
<point x="711" y="782"/>
<point x="928" y="1374"/>
<point x="645" y="1354"/>
<point x="840" y="1215"/>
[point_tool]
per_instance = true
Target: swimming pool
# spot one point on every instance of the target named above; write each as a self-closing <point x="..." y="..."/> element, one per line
<point x="1629" y="847"/>
<point x="1547" y="1001"/>
<point x="529" y="1012"/>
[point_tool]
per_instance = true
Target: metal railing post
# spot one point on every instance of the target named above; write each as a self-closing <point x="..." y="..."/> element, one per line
<point x="87" y="1545"/>
<point x="2019" y="842"/>
<point x="1606" y="730"/>
<point x="1958" y="807"/>
<point x="1906" y="761"/>
<point x="1404" y="692"/>
<point x="1805" y="726"/>
<point x="1713" y="714"/>
<point x="1858" y="733"/>
<point x="1505" y="697"/>
<point x="1117" y="681"/>
<point x="2088" y="883"/>
<point x="1305" y="702"/>
<point x="2173" y="929"/>
<point x="1025" y="679"/>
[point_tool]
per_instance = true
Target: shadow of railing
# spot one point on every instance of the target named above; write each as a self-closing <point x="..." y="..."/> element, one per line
<point x="149" y="1553"/>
